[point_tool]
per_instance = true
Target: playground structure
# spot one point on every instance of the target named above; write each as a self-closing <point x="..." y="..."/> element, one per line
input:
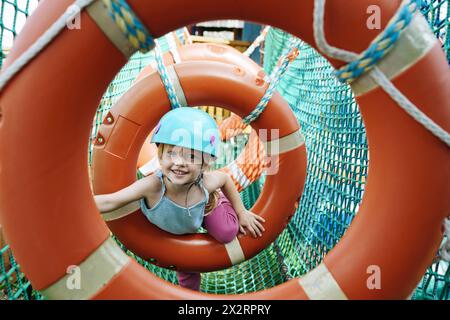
<point x="337" y="170"/>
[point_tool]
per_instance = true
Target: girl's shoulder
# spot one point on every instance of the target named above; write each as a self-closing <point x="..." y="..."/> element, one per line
<point x="213" y="180"/>
<point x="152" y="183"/>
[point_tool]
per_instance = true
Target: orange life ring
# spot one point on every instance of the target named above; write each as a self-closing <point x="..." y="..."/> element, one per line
<point x="205" y="52"/>
<point x="119" y="141"/>
<point x="50" y="218"/>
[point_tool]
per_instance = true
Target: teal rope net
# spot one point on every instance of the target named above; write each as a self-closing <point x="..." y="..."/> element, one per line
<point x="337" y="155"/>
<point x="13" y="14"/>
<point x="337" y="166"/>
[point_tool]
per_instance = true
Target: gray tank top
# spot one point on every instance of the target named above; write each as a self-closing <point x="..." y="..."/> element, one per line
<point x="170" y="216"/>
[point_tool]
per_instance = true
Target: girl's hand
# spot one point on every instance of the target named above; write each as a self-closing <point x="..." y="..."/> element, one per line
<point x="252" y="222"/>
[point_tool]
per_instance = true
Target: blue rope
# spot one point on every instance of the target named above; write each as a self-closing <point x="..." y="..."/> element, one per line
<point x="135" y="31"/>
<point x="380" y="46"/>
<point x="275" y="77"/>
<point x="162" y="70"/>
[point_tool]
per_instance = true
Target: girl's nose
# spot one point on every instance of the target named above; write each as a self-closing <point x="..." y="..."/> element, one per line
<point x="177" y="160"/>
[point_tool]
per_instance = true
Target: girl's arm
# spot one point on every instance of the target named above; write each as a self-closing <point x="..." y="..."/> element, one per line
<point x="247" y="219"/>
<point x="113" y="201"/>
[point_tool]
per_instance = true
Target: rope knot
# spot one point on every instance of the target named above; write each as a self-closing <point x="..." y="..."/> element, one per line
<point x="293" y="54"/>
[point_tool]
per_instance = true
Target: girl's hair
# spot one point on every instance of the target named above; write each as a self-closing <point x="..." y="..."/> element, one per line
<point x="206" y="159"/>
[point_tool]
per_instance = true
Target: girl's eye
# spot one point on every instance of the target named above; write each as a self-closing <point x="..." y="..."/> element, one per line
<point x="196" y="158"/>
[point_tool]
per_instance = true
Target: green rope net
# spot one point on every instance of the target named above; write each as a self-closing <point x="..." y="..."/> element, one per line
<point x="337" y="166"/>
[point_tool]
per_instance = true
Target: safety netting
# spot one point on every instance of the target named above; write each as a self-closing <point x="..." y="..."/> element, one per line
<point x="336" y="173"/>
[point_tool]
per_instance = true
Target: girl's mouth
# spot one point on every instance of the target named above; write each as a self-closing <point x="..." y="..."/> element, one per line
<point x="179" y="173"/>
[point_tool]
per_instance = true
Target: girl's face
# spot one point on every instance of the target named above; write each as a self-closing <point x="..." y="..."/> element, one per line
<point x="180" y="164"/>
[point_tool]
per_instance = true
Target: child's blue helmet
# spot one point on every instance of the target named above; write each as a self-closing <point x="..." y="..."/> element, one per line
<point x="189" y="128"/>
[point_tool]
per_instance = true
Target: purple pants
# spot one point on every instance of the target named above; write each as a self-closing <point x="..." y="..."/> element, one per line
<point x="223" y="225"/>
